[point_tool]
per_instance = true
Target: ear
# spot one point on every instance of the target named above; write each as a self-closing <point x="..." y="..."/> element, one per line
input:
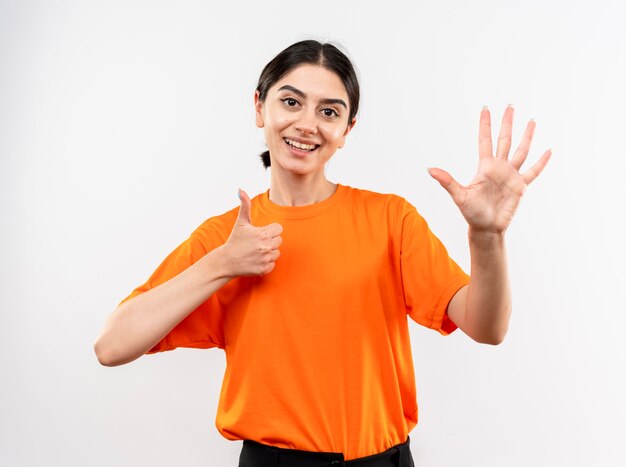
<point x="258" y="110"/>
<point x="345" y="133"/>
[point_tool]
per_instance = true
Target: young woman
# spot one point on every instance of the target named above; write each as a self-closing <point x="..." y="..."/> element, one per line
<point x="307" y="287"/>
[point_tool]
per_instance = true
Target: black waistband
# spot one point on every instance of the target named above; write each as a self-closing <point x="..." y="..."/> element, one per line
<point x="254" y="454"/>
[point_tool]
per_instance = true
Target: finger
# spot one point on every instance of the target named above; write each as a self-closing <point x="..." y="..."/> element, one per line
<point x="275" y="242"/>
<point x="485" y="147"/>
<point x="447" y="181"/>
<point x="524" y="146"/>
<point x="536" y="169"/>
<point x="274" y="230"/>
<point x="243" y="218"/>
<point x="270" y="267"/>
<point x="506" y="131"/>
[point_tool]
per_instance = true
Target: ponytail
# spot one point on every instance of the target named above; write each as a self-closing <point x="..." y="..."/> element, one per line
<point x="265" y="158"/>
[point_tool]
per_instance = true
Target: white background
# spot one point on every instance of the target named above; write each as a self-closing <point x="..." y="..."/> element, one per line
<point x="125" y="124"/>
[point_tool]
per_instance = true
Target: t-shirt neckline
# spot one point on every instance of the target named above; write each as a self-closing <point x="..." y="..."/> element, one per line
<point x="302" y="212"/>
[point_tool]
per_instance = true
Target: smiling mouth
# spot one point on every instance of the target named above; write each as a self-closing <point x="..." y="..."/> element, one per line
<point x="301" y="146"/>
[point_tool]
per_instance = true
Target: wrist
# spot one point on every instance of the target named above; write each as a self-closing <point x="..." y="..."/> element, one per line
<point x="485" y="238"/>
<point x="220" y="263"/>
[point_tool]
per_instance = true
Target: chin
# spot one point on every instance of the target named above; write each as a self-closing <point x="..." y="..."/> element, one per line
<point x="298" y="170"/>
<point x="298" y="167"/>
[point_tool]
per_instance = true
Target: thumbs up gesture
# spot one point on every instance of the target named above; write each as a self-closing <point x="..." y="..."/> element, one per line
<point x="251" y="250"/>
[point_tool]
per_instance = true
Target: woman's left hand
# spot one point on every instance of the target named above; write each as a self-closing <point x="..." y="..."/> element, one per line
<point x="489" y="202"/>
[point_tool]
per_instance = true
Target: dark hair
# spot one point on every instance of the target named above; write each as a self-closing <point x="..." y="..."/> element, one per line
<point x="313" y="52"/>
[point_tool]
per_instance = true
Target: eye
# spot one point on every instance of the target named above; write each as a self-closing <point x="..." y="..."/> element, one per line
<point x="290" y="101"/>
<point x="330" y="112"/>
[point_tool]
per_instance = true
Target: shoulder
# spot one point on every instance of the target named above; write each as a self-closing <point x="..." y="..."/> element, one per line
<point x="392" y="209"/>
<point x="389" y="202"/>
<point x="215" y="230"/>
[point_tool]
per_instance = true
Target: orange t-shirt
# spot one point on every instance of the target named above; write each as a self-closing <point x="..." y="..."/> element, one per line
<point x="318" y="356"/>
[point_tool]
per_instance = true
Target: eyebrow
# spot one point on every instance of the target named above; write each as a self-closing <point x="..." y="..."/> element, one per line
<point x="287" y="87"/>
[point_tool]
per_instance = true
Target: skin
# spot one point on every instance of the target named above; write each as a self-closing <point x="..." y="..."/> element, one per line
<point x="301" y="112"/>
<point x="308" y="111"/>
<point x="482" y="309"/>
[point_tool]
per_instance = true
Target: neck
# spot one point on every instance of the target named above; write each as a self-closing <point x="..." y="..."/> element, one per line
<point x="299" y="190"/>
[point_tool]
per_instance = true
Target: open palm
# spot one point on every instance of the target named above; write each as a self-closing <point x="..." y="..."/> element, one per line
<point x="489" y="202"/>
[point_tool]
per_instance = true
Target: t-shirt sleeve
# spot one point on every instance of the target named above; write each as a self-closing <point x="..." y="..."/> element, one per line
<point x="430" y="277"/>
<point x="202" y="328"/>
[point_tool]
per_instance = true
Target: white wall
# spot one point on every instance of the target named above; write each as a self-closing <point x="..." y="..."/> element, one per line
<point x="125" y="124"/>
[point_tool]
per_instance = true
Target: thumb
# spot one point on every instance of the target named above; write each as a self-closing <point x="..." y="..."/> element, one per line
<point x="244" y="210"/>
<point x="447" y="181"/>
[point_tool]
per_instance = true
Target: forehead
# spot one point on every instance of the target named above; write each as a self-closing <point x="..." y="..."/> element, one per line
<point x="315" y="81"/>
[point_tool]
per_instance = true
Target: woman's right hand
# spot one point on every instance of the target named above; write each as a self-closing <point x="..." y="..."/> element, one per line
<point x="250" y="250"/>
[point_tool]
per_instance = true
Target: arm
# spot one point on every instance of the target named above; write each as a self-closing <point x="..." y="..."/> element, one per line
<point x="482" y="309"/>
<point x="136" y="325"/>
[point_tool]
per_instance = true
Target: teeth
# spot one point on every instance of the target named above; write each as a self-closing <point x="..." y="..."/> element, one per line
<point x="295" y="144"/>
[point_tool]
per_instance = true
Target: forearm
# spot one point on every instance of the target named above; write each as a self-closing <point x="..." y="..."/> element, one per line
<point x="488" y="303"/>
<point x="138" y="324"/>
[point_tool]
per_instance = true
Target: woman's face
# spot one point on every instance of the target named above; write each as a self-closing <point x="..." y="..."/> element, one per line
<point x="305" y="119"/>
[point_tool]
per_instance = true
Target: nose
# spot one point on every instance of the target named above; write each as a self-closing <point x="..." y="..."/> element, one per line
<point x="307" y="124"/>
